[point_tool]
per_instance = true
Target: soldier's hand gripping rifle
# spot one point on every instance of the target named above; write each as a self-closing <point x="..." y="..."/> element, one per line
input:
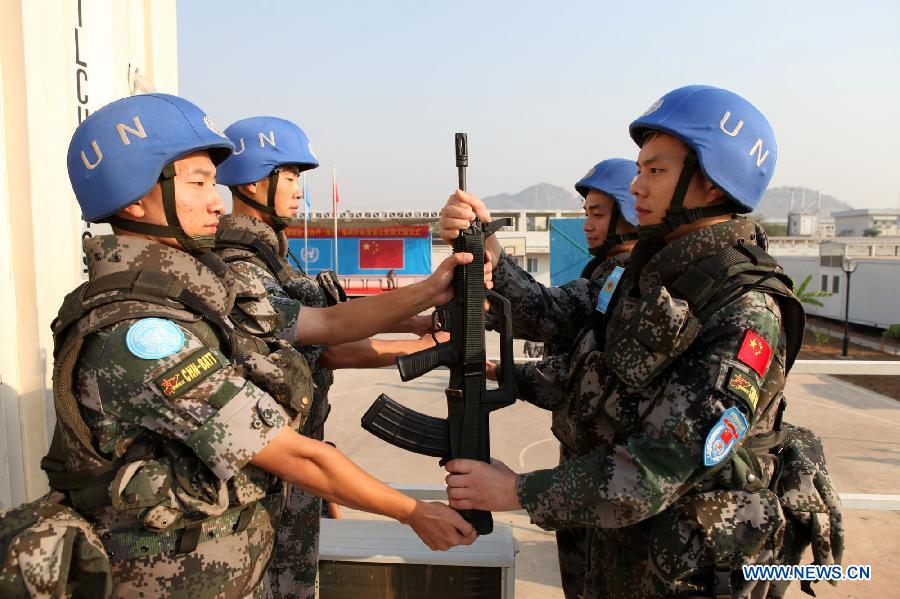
<point x="465" y="432"/>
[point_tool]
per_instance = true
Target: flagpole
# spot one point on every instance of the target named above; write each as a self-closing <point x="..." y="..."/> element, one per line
<point x="334" y="214"/>
<point x="305" y="224"/>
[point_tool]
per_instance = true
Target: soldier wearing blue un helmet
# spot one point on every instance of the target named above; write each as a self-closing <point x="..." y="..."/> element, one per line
<point x="676" y="425"/>
<point x="131" y="422"/>
<point x="128" y="147"/>
<point x="730" y="147"/>
<point x="611" y="178"/>
<point x="265" y="146"/>
<point x="264" y="178"/>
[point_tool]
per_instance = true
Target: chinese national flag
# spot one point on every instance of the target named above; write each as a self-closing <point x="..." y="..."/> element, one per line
<point x="381" y="253"/>
<point x="755" y="352"/>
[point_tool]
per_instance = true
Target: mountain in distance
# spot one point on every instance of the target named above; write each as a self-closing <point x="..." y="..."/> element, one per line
<point x="542" y="196"/>
<point x="776" y="202"/>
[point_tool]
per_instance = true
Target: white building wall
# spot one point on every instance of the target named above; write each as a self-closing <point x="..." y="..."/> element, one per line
<point x="801" y="224"/>
<point x="61" y="59"/>
<point x="874" y="289"/>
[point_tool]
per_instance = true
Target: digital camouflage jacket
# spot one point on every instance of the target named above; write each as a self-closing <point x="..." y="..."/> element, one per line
<point x="155" y="387"/>
<point x="254" y="249"/>
<point x="658" y="421"/>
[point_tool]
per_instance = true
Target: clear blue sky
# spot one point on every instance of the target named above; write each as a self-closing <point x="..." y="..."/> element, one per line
<point x="545" y="89"/>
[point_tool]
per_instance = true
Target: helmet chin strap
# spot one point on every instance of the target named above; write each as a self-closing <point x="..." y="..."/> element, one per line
<point x="279" y="223"/>
<point x="194" y="245"/>
<point x="613" y="239"/>
<point x="676" y="213"/>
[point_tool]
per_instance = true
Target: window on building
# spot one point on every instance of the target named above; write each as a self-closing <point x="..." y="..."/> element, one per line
<point x="511" y="227"/>
<point x="824" y="286"/>
<point x="830" y="261"/>
<point x="537" y="222"/>
<point x="532" y="265"/>
<point x="517" y="260"/>
<point x="835" y="284"/>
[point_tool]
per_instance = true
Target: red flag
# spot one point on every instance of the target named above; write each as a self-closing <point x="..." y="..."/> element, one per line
<point x="336" y="197"/>
<point x="755" y="352"/>
<point x="381" y="253"/>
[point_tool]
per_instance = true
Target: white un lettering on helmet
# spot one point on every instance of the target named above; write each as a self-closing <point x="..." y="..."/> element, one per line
<point x="757" y="149"/>
<point x="123" y="131"/>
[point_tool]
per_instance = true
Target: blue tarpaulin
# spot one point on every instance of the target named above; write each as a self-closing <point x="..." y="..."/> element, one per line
<point x="568" y="249"/>
<point x="415" y="259"/>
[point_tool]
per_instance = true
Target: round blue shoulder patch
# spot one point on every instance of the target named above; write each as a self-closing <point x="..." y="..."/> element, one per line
<point x="154" y="338"/>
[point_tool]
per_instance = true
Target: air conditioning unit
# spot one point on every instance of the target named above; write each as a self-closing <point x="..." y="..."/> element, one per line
<point x="377" y="558"/>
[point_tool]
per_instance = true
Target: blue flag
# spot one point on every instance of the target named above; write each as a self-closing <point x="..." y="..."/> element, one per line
<point x="306" y="196"/>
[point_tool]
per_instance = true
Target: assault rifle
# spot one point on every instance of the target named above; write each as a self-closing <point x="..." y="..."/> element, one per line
<point x="465" y="433"/>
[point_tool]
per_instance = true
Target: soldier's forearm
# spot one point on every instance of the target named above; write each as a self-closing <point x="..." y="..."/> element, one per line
<point x="417" y="325"/>
<point x="371" y="353"/>
<point x="326" y="472"/>
<point x="358" y="319"/>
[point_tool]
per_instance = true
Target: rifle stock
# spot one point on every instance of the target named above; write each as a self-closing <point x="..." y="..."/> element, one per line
<point x="465" y="433"/>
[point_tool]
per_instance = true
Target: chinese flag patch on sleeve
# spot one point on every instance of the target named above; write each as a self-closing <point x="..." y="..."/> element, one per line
<point x="755" y="352"/>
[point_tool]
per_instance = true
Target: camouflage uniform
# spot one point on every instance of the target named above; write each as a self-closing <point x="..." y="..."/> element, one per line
<point x="184" y="514"/>
<point x="294" y="568"/>
<point x="660" y="522"/>
<point x="49" y="550"/>
<point x="557" y="316"/>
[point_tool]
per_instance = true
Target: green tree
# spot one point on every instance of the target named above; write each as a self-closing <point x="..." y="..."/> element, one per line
<point x="809" y="297"/>
<point x="871" y="232"/>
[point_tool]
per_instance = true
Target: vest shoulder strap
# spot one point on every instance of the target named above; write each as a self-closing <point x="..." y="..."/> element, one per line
<point x="718" y="280"/>
<point x="269" y="260"/>
<point x="140" y="286"/>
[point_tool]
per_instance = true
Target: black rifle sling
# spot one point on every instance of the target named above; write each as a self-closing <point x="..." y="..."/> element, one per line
<point x="465" y="417"/>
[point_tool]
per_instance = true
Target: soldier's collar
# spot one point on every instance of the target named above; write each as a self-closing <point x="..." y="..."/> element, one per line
<point x="675" y="258"/>
<point x="277" y="241"/>
<point x="210" y="280"/>
<point x="598" y="269"/>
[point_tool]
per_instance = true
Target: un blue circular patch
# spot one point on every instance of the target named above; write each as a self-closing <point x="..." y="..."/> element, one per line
<point x="154" y="338"/>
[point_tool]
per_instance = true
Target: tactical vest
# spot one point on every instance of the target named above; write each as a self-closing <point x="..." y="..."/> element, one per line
<point x="94" y="482"/>
<point x="235" y="244"/>
<point x="744" y="482"/>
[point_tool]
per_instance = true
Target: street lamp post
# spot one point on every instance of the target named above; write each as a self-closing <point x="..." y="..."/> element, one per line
<point x="848" y="265"/>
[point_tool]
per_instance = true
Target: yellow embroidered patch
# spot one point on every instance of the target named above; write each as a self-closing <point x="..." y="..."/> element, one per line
<point x="187" y="373"/>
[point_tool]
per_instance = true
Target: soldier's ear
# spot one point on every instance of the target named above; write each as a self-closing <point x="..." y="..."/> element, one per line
<point x="135" y="211"/>
<point x="711" y="193"/>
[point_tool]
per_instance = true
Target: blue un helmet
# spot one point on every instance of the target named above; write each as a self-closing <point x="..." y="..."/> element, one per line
<point x="264" y="144"/>
<point x="121" y="151"/>
<point x="613" y="177"/>
<point x="729" y="138"/>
